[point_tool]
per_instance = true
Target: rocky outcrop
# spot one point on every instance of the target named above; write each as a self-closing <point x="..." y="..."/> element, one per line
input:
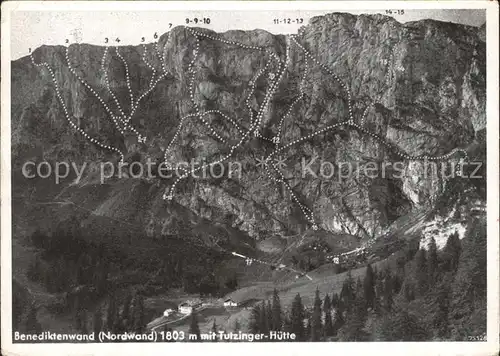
<point x="421" y="86"/>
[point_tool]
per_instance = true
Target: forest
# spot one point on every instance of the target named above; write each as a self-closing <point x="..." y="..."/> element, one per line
<point x="429" y="295"/>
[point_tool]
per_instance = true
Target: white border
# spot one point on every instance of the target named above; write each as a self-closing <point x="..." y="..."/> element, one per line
<point x="341" y="348"/>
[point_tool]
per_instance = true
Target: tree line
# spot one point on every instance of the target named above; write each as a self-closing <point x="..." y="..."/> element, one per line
<point x="425" y="294"/>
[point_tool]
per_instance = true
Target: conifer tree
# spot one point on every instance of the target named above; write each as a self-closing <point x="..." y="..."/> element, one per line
<point x="316" y="325"/>
<point x="254" y="323"/>
<point x="111" y="313"/>
<point x="388" y="291"/>
<point x="335" y="300"/>
<point x="359" y="287"/>
<point x="269" y="316"/>
<point x="421" y="271"/>
<point x="287" y="324"/>
<point x="97" y="321"/>
<point x="80" y="319"/>
<point x="138" y="312"/>
<point x="194" y="329"/>
<point x="397" y="282"/>
<point x="126" y="319"/>
<point x="83" y="326"/>
<point x="412" y="248"/>
<point x="327" y="310"/>
<point x="297" y="318"/>
<point x="432" y="262"/>
<point x="469" y="286"/>
<point x="32" y="324"/>
<point x="264" y="321"/>
<point x="441" y="317"/>
<point x="237" y="326"/>
<point x="474" y="255"/>
<point x="214" y="330"/>
<point x="451" y="252"/>
<point x="310" y="266"/>
<point x="307" y="332"/>
<point x="402" y="326"/>
<point x="408" y="290"/>
<point x="347" y="292"/>
<point x="338" y="319"/>
<point x="118" y="326"/>
<point x="353" y="329"/>
<point x="102" y="278"/>
<point x="369" y="287"/>
<point x="276" y="312"/>
<point x="379" y="287"/>
<point x="377" y="305"/>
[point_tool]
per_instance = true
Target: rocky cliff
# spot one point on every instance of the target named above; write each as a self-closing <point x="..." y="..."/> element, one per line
<point x="419" y="87"/>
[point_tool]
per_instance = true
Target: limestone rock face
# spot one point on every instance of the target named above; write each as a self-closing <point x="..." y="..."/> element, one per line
<point x="420" y="87"/>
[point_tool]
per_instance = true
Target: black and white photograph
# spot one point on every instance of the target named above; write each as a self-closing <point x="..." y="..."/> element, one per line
<point x="290" y="174"/>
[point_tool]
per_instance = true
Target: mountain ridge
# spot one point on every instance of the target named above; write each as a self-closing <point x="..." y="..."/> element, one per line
<point x="387" y="117"/>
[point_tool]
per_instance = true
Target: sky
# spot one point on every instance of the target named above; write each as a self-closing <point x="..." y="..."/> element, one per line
<point x="31" y="29"/>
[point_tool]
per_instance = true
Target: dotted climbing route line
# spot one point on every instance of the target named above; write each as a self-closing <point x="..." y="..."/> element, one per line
<point x="306" y="71"/>
<point x="288" y="112"/>
<point x="94" y="93"/>
<point x="125" y="119"/>
<point x="151" y="81"/>
<point x="66" y="113"/>
<point x="198" y="34"/>
<point x="252" y="89"/>
<point x="269" y="91"/>
<point x="192" y="73"/>
<point x="329" y="71"/>
<point x="275" y="78"/>
<point x="120" y="121"/>
<point x="169" y="195"/>
<point x="144" y="57"/>
<point x="267" y="97"/>
<point x="277" y="139"/>
<point x="388" y="78"/>
<point x="117" y="120"/>
<point x="215" y="38"/>
<point x="143" y="95"/>
<point x="179" y="128"/>
<point x="305" y="138"/>
<point x="405" y="155"/>
<point x="108" y="86"/>
<point x="272" y="90"/>
<point x="397" y="50"/>
<point x="161" y="57"/>
<point x="365" y="112"/>
<point x="177" y="132"/>
<point x="236" y="125"/>
<point x="127" y="76"/>
<point x="305" y="210"/>
<point x="255" y="125"/>
<point x="351" y="122"/>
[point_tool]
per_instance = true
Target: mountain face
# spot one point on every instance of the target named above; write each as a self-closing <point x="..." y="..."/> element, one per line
<point x="419" y="87"/>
